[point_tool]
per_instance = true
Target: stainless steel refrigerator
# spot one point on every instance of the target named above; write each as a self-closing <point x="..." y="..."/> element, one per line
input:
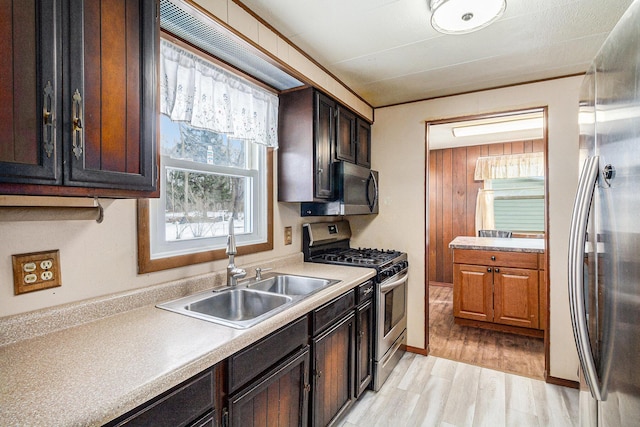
<point x="604" y="246"/>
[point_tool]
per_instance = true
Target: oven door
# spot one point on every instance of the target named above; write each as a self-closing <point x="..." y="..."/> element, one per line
<point x="392" y="312"/>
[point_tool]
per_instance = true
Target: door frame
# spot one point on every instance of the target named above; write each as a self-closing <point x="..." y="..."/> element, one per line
<point x="545" y="136"/>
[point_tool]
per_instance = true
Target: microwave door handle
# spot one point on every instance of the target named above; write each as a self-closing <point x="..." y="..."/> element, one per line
<point x="577" y="237"/>
<point x="394" y="284"/>
<point x="372" y="179"/>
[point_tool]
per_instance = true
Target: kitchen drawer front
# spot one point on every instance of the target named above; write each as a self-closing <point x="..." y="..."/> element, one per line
<point x="496" y="258"/>
<point x="365" y="291"/>
<point x="181" y="406"/>
<point x="257" y="358"/>
<point x="333" y="310"/>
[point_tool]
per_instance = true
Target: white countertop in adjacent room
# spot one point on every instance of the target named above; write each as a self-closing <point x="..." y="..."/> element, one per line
<point x="511" y="244"/>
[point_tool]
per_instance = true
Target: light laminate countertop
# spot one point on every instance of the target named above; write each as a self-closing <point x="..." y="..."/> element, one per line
<point x="511" y="244"/>
<point x="92" y="373"/>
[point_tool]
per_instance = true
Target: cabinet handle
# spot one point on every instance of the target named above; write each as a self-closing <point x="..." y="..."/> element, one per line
<point x="497" y="270"/>
<point x="489" y="269"/>
<point x="493" y="257"/>
<point x="48" y="119"/>
<point x="76" y="116"/>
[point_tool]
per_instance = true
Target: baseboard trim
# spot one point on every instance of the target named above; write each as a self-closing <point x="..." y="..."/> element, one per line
<point x="417" y="350"/>
<point x="562" y="382"/>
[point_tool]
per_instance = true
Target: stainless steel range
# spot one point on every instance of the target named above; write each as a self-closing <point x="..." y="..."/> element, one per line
<point x="329" y="243"/>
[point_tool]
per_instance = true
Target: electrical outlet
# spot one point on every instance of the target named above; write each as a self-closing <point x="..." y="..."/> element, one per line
<point x="288" y="235"/>
<point x="36" y="271"/>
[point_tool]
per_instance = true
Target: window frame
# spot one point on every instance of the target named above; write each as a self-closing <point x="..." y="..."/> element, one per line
<point x="148" y="265"/>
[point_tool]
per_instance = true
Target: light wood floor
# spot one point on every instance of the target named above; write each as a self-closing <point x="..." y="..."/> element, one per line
<point x="502" y="351"/>
<point x="431" y="391"/>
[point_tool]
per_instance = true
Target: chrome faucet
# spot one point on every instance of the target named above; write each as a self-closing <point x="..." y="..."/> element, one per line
<point x="233" y="273"/>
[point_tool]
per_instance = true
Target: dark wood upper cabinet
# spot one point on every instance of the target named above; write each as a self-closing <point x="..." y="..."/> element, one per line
<point x="363" y="143"/>
<point x="325" y="137"/>
<point x="29" y="85"/>
<point x="346" y="136"/>
<point x="315" y="131"/>
<point x="82" y="83"/>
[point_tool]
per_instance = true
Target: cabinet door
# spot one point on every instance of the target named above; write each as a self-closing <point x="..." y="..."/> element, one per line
<point x="472" y="292"/>
<point x="364" y="347"/>
<point x="346" y="136"/>
<point x="333" y="372"/>
<point x="515" y="299"/>
<point x="324" y="125"/>
<point x="363" y="143"/>
<point x="109" y="106"/>
<point x="29" y="88"/>
<point x="278" y="399"/>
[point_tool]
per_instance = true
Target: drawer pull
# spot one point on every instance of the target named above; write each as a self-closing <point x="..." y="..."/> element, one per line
<point x="493" y="257"/>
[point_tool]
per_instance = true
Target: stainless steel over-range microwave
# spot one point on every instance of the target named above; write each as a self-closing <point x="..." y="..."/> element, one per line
<point x="356" y="193"/>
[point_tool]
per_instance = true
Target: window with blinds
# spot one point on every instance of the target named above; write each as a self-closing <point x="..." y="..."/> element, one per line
<point x="518" y="204"/>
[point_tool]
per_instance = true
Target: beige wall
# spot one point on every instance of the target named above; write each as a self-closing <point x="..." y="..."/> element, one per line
<point x="399" y="154"/>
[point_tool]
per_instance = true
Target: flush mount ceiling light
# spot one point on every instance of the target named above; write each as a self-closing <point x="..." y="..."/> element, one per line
<point x="464" y="16"/>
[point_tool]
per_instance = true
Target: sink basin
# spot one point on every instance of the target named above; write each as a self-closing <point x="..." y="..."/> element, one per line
<point x="286" y="284"/>
<point x="250" y="302"/>
<point x="239" y="308"/>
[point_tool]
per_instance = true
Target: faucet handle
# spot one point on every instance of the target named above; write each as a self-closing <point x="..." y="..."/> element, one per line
<point x="259" y="271"/>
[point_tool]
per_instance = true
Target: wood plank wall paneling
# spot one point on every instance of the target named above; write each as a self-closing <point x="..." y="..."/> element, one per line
<point x="452" y="197"/>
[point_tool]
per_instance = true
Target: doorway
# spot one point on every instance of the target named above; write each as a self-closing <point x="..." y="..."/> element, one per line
<point x="456" y="147"/>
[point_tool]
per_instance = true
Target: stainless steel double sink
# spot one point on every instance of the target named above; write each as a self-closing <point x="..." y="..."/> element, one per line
<point x="250" y="302"/>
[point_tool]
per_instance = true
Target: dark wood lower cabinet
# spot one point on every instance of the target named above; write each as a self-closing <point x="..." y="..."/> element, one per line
<point x="364" y="347"/>
<point x="333" y="353"/>
<point x="188" y="404"/>
<point x="277" y="399"/>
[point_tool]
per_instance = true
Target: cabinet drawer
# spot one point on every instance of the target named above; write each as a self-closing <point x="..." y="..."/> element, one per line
<point x="179" y="407"/>
<point x="328" y="313"/>
<point x="365" y="291"/>
<point x="497" y="258"/>
<point x="252" y="361"/>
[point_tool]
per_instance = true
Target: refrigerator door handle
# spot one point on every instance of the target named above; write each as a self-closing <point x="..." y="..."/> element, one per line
<point x="577" y="237"/>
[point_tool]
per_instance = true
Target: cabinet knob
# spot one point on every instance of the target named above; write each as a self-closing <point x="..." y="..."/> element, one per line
<point x="493" y="257"/>
<point x="489" y="269"/>
<point x="497" y="270"/>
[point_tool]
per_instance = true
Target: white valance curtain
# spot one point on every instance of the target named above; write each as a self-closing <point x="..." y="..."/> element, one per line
<point x="206" y="96"/>
<point x="509" y="166"/>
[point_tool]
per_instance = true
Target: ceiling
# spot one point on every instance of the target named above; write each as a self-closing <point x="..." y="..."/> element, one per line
<point x="387" y="52"/>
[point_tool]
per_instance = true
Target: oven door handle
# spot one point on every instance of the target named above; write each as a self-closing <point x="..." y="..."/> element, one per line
<point x="386" y="288"/>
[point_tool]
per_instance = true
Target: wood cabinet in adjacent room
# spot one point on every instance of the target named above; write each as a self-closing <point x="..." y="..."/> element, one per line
<point x="80" y="89"/>
<point x="497" y="287"/>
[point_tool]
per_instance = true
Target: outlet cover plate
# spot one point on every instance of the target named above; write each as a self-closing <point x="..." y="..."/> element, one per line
<point x="36" y="271"/>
